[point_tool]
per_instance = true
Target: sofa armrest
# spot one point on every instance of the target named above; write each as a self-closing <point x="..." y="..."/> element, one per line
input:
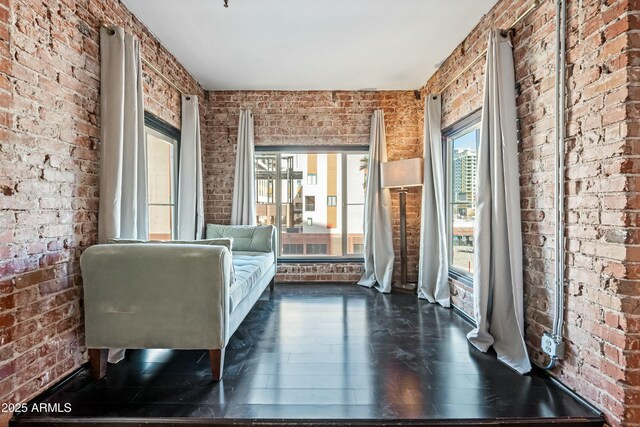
<point x="156" y="296"/>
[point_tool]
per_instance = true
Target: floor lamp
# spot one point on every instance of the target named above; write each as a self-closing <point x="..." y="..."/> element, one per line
<point x="402" y="174"/>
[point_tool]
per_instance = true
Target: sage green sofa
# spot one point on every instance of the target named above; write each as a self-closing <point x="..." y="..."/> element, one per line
<point x="174" y="295"/>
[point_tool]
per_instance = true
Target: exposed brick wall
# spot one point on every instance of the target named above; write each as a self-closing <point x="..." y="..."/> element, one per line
<point x="602" y="128"/>
<point x="49" y="98"/>
<point x="310" y="118"/>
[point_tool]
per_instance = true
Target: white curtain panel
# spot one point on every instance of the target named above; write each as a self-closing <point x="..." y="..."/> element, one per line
<point x="498" y="299"/>
<point x="190" y="217"/>
<point x="433" y="273"/>
<point x="123" y="162"/>
<point x="122" y="211"/>
<point x="243" y="208"/>
<point x="378" y="234"/>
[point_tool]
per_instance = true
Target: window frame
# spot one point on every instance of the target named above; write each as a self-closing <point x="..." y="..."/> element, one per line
<point x="460" y="127"/>
<point x="164" y="129"/>
<point x="343" y="150"/>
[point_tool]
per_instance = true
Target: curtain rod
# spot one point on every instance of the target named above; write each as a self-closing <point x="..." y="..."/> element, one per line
<point x="526" y="13"/>
<point x="153" y="68"/>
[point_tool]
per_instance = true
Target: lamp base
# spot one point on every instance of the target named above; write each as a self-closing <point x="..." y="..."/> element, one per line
<point x="404" y="288"/>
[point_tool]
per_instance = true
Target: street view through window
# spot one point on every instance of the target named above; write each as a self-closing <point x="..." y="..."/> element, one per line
<point x="315" y="199"/>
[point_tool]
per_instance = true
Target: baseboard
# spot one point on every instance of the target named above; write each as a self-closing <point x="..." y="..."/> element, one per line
<point x="307" y="282"/>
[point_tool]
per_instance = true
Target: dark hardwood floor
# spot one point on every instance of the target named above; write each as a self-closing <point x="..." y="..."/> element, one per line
<point x="323" y="354"/>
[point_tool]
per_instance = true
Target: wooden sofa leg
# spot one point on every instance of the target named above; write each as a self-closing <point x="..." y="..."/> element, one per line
<point x="272" y="284"/>
<point x="98" y="362"/>
<point x="216" y="358"/>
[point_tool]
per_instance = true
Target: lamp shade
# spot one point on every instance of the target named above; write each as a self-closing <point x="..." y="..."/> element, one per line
<point x="402" y="173"/>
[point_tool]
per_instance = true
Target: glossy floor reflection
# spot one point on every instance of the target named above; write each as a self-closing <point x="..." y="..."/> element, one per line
<point x="326" y="352"/>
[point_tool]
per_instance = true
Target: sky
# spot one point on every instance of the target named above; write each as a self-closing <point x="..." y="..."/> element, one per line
<point x="466" y="141"/>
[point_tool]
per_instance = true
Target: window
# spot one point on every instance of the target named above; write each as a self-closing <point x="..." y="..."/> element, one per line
<point x="316" y="249"/>
<point x="162" y="177"/>
<point x="461" y="143"/>
<point x="292" y="249"/>
<point x="323" y="212"/>
<point x="310" y="203"/>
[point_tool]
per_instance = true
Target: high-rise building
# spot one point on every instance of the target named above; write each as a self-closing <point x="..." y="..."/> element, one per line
<point x="464" y="175"/>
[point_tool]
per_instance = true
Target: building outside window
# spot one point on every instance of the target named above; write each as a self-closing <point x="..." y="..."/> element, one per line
<point x="162" y="175"/>
<point x="461" y="144"/>
<point x="314" y="198"/>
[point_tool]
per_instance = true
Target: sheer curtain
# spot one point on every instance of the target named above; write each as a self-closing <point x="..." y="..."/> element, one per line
<point x="122" y="211"/>
<point x="498" y="299"/>
<point x="433" y="273"/>
<point x="378" y="235"/>
<point x="243" y="208"/>
<point x="190" y="192"/>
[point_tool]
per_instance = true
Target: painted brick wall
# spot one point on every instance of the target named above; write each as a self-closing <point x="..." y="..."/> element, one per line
<point x="49" y="98"/>
<point x="310" y="118"/>
<point x="602" y="320"/>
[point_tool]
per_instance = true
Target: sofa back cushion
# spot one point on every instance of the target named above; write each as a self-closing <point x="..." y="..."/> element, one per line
<point x="226" y="242"/>
<point x="249" y="238"/>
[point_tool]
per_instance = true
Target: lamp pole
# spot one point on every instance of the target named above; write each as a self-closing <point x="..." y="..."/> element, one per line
<point x="403" y="237"/>
<point x="403" y="286"/>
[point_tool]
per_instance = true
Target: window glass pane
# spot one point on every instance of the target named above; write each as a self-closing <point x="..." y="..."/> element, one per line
<point x="357" y="167"/>
<point x="160" y="222"/>
<point x="302" y="194"/>
<point x="311" y="222"/>
<point x="462" y="193"/>
<point x="161" y="183"/>
<point x="160" y="165"/>
<point x="266" y="169"/>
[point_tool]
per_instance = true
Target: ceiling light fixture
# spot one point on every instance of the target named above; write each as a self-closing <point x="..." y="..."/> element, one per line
<point x="226" y="3"/>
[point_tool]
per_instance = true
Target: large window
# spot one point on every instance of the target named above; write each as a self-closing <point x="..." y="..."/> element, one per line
<point x="315" y="199"/>
<point x="162" y="175"/>
<point x="461" y="143"/>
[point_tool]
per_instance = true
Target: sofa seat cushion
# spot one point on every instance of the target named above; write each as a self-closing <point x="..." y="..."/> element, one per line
<point x="249" y="269"/>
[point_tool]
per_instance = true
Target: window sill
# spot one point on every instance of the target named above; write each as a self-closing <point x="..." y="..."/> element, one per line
<point x="465" y="279"/>
<point x="319" y="260"/>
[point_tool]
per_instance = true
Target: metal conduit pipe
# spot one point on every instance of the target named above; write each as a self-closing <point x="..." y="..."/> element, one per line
<point x="552" y="344"/>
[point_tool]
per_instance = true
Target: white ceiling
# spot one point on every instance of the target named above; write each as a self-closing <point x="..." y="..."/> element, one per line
<point x="310" y="44"/>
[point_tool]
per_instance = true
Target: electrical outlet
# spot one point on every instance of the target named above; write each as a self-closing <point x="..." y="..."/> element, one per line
<point x="553" y="346"/>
